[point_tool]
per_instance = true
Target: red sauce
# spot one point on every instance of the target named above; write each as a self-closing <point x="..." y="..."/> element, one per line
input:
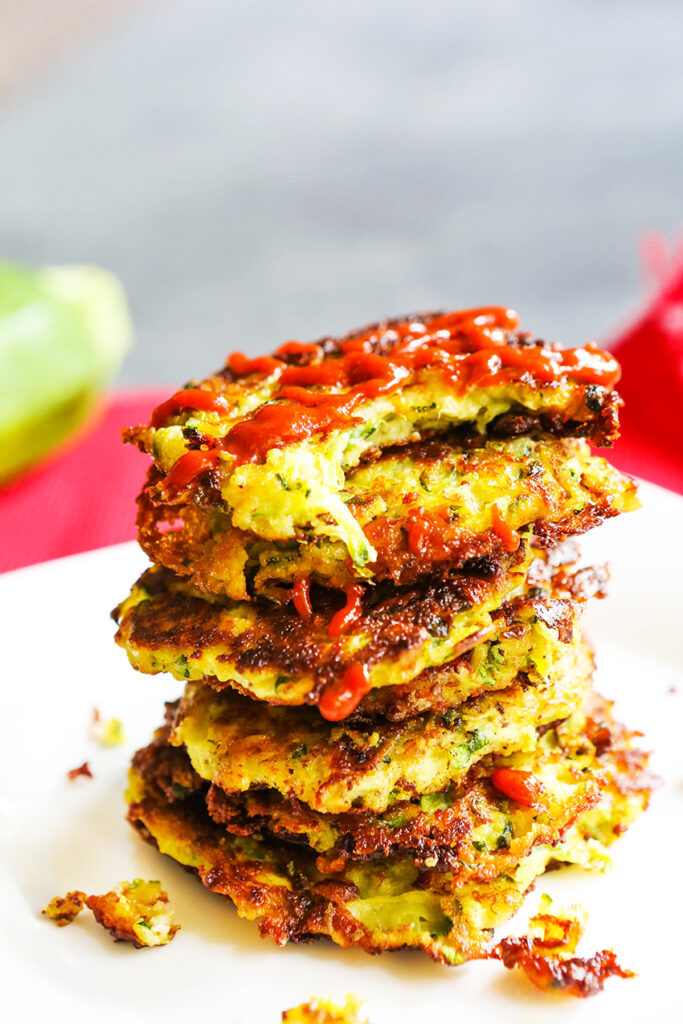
<point x="276" y="425"/>
<point x="426" y="535"/>
<point x="297" y="348"/>
<point x="189" y="398"/>
<point x="469" y="347"/>
<point x="242" y="366"/>
<point x="523" y="787"/>
<point x="347" y="615"/>
<point x="301" y="596"/>
<point x="509" y="537"/>
<point x="189" y="466"/>
<point x="342" y="697"/>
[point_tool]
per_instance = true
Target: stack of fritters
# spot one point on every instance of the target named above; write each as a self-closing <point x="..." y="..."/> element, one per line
<point x="364" y="571"/>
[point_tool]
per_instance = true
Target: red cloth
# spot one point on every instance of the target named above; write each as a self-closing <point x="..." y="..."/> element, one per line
<point x="84" y="497"/>
<point x="650" y="351"/>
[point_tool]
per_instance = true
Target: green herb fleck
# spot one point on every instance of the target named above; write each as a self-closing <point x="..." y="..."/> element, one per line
<point x="431" y="802"/>
<point x="181" y="666"/>
<point x="503" y="840"/>
<point x="444" y="927"/>
<point x="181" y="792"/>
<point x="476" y="741"/>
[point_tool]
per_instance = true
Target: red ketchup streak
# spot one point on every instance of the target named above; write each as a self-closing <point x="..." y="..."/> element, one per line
<point x="346" y="616"/>
<point x="509" y="537"/>
<point x="189" y="466"/>
<point x="523" y="787"/>
<point x="297" y="348"/>
<point x="341" y="698"/>
<point x="241" y="366"/>
<point x="189" y="398"/>
<point x="468" y="347"/>
<point x="276" y="425"/>
<point x="301" y="596"/>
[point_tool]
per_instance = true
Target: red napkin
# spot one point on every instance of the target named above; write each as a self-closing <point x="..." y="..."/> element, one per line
<point x="84" y="497"/>
<point x="650" y="351"/>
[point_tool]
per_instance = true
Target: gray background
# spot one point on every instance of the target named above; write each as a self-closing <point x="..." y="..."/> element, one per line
<point x="256" y="171"/>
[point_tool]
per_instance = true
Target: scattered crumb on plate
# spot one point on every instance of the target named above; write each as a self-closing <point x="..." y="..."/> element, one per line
<point x="324" y="1011"/>
<point x="136" y="912"/>
<point x="545" y="954"/>
<point x="63" y="909"/>
<point x="108" y="732"/>
<point x="83" y="771"/>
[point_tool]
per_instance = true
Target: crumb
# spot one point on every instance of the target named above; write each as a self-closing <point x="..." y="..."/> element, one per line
<point x="672" y="689"/>
<point x="106" y="731"/>
<point x="324" y="1011"/>
<point x="63" y="909"/>
<point x="83" y="770"/>
<point x="546" y="957"/>
<point x="136" y="912"/>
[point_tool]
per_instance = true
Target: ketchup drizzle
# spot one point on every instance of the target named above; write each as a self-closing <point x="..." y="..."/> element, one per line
<point x="346" y="616"/>
<point x="343" y="696"/>
<point x="301" y="596"/>
<point x="507" y="534"/>
<point x="523" y="787"/>
<point x="188" y="398"/>
<point x="468" y="346"/>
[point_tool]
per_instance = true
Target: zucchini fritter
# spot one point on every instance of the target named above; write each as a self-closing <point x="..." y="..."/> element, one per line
<point x="473" y="830"/>
<point x="388" y="653"/>
<point x="272" y="653"/>
<point x="241" y="744"/>
<point x="381" y="904"/>
<point x="313" y="412"/>
<point x="426" y="508"/>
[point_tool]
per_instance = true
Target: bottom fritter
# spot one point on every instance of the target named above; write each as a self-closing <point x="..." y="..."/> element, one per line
<point x="448" y="908"/>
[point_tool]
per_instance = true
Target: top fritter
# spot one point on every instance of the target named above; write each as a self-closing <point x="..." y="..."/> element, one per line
<point x="311" y="412"/>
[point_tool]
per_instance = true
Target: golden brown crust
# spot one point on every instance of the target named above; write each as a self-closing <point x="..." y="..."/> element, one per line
<point x="442" y="835"/>
<point x="278" y="884"/>
<point x="575" y="976"/>
<point x="135" y="912"/>
<point x="411" y="539"/>
<point x="395" y="620"/>
<point x="438" y="841"/>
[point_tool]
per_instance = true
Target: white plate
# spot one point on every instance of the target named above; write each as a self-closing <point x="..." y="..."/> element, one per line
<point x="59" y="662"/>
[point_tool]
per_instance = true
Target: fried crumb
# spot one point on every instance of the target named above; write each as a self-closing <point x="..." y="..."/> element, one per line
<point x="83" y="770"/>
<point x="136" y="912"/>
<point x="63" y="909"/>
<point x="546" y="957"/>
<point x="324" y="1011"/>
<point x="108" y="732"/>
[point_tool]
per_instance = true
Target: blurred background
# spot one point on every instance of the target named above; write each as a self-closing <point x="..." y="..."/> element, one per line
<point x="254" y="171"/>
